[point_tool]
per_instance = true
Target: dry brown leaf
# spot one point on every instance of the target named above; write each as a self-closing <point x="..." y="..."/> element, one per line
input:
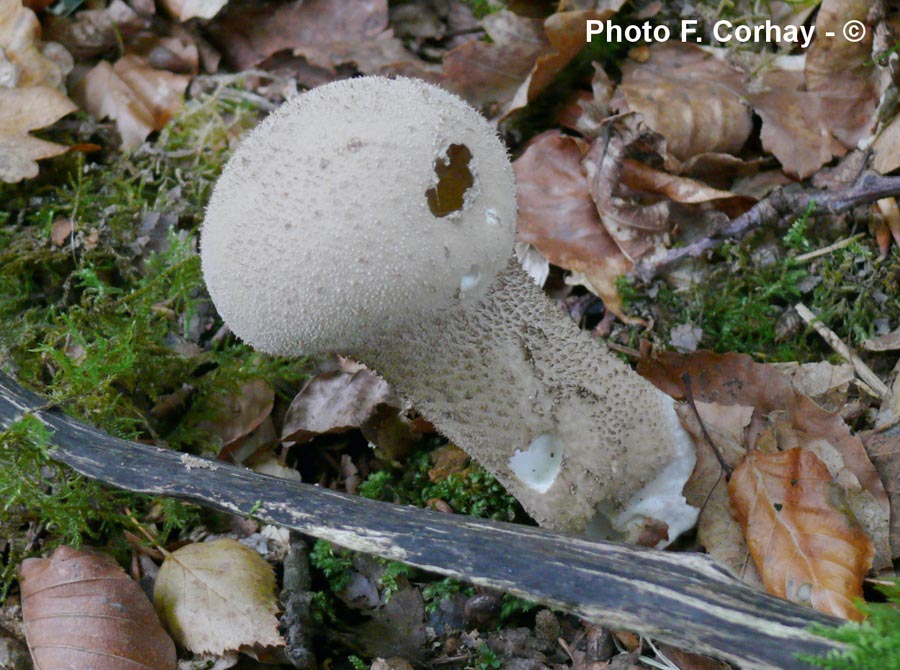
<point x="184" y="10"/>
<point x="840" y="72"/>
<point x="804" y="543"/>
<point x="887" y="342"/>
<point x="488" y="74"/>
<point x="557" y="215"/>
<point x="218" y="596"/>
<point x="240" y="413"/>
<point x="139" y="97"/>
<point x="783" y="415"/>
<point x="322" y="33"/>
<point x="335" y="402"/>
<point x="887" y="148"/>
<point x="23" y="110"/>
<point x="794" y="126"/>
<point x="884" y="450"/>
<point x="690" y="97"/>
<point x="638" y="228"/>
<point x="82" y="611"/>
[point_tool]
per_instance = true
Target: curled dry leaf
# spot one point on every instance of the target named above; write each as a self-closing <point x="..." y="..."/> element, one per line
<point x="638" y="228"/>
<point x="335" y="402"/>
<point x="806" y="545"/>
<point x="139" y="97"/>
<point x="557" y="215"/>
<point x="565" y="34"/>
<point x="781" y="416"/>
<point x="347" y="398"/>
<point x="690" y="97"/>
<point x="81" y="610"/>
<point x="218" y="596"/>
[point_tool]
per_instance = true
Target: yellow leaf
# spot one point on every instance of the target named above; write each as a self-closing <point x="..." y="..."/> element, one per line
<point x="218" y="596"/>
<point x="801" y="534"/>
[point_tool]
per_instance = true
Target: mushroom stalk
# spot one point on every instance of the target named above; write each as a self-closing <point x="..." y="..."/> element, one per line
<point x="376" y="218"/>
<point x="570" y="430"/>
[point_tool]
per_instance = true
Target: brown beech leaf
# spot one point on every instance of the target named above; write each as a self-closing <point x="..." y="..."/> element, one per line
<point x="335" y="402"/>
<point x="557" y="215"/>
<point x="794" y="126"/>
<point x="805" y="544"/>
<point x="22" y="110"/>
<point x="488" y="74"/>
<point x="782" y="416"/>
<point x="322" y="33"/>
<point x="218" y="596"/>
<point x="690" y="97"/>
<point x="81" y="610"/>
<point x="139" y="97"/>
<point x="841" y="74"/>
<point x="884" y="450"/>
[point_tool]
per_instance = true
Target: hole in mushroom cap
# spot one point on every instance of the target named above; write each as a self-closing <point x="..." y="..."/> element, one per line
<point x="453" y="180"/>
<point x="538" y="466"/>
<point x="471" y="279"/>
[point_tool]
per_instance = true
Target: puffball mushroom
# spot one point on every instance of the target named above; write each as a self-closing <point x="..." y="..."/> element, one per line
<point x="375" y="218"/>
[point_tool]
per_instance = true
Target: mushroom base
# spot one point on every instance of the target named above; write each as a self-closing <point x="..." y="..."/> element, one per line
<point x="497" y="375"/>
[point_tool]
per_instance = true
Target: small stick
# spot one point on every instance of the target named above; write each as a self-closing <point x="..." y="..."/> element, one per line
<point x="689" y="395"/>
<point x="863" y="371"/>
<point x="824" y="251"/>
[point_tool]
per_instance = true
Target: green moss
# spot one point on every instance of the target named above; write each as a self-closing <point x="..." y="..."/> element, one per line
<point x="474" y="491"/>
<point x="871" y="645"/>
<point x="333" y="562"/>
<point x="741" y="301"/>
<point x="50" y="499"/>
<point x="434" y="592"/>
<point x="96" y="324"/>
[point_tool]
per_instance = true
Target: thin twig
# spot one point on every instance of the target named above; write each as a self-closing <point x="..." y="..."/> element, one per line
<point x="783" y="203"/>
<point x="863" y="371"/>
<point x="824" y="251"/>
<point x="689" y="396"/>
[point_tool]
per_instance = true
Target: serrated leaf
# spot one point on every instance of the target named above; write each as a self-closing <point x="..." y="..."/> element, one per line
<point x="218" y="596"/>
<point x="801" y="534"/>
<point x="81" y="610"/>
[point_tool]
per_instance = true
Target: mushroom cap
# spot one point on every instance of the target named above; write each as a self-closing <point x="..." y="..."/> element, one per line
<point x="319" y="231"/>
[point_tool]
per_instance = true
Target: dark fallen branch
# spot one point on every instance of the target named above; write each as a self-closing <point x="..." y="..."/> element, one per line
<point x="785" y="203"/>
<point x="685" y="599"/>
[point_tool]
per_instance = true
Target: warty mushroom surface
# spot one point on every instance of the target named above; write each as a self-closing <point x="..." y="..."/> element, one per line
<point x="375" y="218"/>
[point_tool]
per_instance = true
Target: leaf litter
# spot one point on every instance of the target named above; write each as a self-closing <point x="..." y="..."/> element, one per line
<point x="680" y="158"/>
